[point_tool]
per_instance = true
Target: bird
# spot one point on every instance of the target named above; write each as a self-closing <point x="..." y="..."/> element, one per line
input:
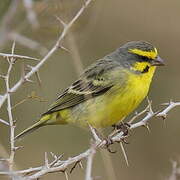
<point x="107" y="91"/>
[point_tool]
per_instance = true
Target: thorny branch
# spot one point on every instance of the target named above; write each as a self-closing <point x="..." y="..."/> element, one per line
<point x="34" y="70"/>
<point x="9" y="110"/>
<point x="88" y="174"/>
<point x="16" y="56"/>
<point x="49" y="54"/>
<point x="62" y="165"/>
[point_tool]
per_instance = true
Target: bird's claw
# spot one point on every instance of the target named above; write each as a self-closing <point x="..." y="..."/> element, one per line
<point x="108" y="143"/>
<point x="124" y="127"/>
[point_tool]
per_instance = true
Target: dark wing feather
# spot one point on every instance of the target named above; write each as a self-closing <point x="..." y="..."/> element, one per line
<point x="93" y="82"/>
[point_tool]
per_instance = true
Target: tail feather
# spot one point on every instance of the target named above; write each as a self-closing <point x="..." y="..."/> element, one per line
<point x="40" y="123"/>
<point x="28" y="130"/>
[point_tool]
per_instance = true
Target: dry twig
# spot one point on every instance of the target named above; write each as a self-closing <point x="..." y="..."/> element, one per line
<point x="4" y="122"/>
<point x="49" y="54"/>
<point x="16" y="56"/>
<point x="61" y="166"/>
<point x="9" y="109"/>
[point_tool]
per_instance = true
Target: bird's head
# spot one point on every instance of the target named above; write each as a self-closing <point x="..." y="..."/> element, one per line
<point x="141" y="56"/>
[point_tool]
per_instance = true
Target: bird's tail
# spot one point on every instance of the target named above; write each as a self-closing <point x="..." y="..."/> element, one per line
<point x="32" y="128"/>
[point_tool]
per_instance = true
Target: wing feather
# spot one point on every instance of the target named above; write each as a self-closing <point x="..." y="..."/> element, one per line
<point x="93" y="82"/>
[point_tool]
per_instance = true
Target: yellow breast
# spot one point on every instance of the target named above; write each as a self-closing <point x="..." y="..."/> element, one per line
<point x="112" y="107"/>
<point x="120" y="103"/>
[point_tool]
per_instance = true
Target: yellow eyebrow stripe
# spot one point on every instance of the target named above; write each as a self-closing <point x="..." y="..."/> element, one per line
<point x="149" y="54"/>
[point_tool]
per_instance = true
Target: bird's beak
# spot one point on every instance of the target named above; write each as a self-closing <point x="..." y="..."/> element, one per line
<point x="158" y="62"/>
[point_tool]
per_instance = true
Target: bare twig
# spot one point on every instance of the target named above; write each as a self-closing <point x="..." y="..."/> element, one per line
<point x="9" y="109"/>
<point x="30" y="96"/>
<point x="88" y="174"/>
<point x="4" y="122"/>
<point x="171" y="105"/>
<point x="140" y="113"/>
<point x="16" y="56"/>
<point x="49" y="54"/>
<point x="94" y="134"/>
<point x="62" y="165"/>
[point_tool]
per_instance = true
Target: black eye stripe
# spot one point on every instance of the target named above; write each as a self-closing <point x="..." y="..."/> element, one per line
<point x="143" y="58"/>
<point x="146" y="69"/>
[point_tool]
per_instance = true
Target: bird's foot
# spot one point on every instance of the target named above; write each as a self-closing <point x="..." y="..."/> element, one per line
<point x="108" y="143"/>
<point x="98" y="137"/>
<point x="122" y="127"/>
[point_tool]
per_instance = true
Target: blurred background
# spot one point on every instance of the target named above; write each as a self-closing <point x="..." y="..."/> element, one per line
<point x="103" y="27"/>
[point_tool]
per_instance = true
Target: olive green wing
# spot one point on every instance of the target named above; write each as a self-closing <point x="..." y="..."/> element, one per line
<point x="78" y="92"/>
<point x="94" y="82"/>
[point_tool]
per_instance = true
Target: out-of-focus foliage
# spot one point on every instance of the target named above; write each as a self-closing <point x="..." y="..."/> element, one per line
<point x="104" y="26"/>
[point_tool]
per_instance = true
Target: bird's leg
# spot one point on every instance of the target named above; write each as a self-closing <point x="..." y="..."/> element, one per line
<point x="122" y="127"/>
<point x="108" y="143"/>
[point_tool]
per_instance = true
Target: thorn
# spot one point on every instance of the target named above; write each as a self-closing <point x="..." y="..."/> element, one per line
<point x="29" y="66"/>
<point x="61" y="21"/>
<point x="80" y="165"/>
<point x="53" y="155"/>
<point x="164" y="104"/>
<point x="13" y="59"/>
<point x="3" y="76"/>
<point x="66" y="175"/>
<point x="164" y="122"/>
<point x="124" y="153"/>
<point x="13" y="47"/>
<point x="38" y="78"/>
<point x="17" y="148"/>
<point x="4" y="122"/>
<point x="46" y="160"/>
<point x="64" y="48"/>
<point x="56" y="159"/>
<point x="28" y="80"/>
<point x="95" y="134"/>
<point x="147" y="127"/>
<point x="76" y="163"/>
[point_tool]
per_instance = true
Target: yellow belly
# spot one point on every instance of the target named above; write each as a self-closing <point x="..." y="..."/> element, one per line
<point x="113" y="106"/>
